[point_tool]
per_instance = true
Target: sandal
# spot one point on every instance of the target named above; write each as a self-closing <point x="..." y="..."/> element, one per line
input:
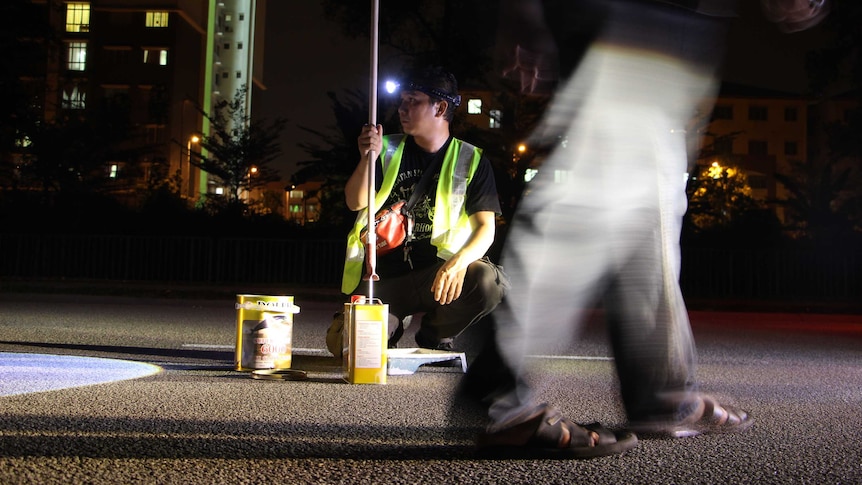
<point x="547" y="434"/>
<point x="709" y="417"/>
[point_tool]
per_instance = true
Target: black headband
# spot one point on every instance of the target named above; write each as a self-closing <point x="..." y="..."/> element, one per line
<point x="455" y="99"/>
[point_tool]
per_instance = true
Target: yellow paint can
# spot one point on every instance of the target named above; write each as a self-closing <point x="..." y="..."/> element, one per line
<point x="264" y="332"/>
<point x="365" y="340"/>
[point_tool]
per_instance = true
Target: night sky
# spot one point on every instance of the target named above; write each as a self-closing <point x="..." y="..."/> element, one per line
<point x="306" y="56"/>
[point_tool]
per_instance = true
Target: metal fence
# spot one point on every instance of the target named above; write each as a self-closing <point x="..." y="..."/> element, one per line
<point x="706" y="273"/>
<point x="772" y="274"/>
<point x="172" y="259"/>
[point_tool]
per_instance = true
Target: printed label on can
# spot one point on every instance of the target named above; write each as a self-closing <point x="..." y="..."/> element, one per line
<point x="369" y="345"/>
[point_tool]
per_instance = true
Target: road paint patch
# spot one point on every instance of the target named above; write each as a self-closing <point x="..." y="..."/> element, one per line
<point x="22" y="373"/>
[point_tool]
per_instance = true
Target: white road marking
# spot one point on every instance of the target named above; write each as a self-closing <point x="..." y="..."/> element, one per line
<point x="309" y="351"/>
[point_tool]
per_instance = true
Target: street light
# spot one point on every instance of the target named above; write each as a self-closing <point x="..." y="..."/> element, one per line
<point x="190" y="184"/>
<point x="252" y="171"/>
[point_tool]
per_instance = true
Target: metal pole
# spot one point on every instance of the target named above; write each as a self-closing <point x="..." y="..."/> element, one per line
<point x="371" y="248"/>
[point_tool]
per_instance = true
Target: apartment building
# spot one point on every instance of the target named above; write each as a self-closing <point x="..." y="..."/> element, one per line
<point x="760" y="132"/>
<point x="159" y="60"/>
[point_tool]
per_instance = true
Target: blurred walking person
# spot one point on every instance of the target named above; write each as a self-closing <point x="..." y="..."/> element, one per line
<point x="602" y="220"/>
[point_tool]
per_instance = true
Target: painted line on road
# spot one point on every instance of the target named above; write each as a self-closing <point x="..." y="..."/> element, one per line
<point x="308" y="351"/>
<point x="569" y="357"/>
<point x="297" y="350"/>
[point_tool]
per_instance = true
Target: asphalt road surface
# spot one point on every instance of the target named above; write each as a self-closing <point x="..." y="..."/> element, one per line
<point x="169" y="408"/>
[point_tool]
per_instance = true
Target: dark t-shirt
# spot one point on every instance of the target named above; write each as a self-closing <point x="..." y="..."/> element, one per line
<point x="481" y="196"/>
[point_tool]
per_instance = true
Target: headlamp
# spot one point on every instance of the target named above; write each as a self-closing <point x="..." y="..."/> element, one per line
<point x="392" y="87"/>
<point x="455" y="99"/>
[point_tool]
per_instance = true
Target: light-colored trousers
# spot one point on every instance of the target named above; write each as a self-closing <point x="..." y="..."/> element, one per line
<point x="602" y="218"/>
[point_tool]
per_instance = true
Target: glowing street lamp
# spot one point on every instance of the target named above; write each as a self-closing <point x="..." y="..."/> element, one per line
<point x="190" y="181"/>
<point x="714" y="170"/>
<point x="252" y="171"/>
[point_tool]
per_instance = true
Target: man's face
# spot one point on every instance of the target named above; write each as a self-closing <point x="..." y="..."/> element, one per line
<point x="416" y="112"/>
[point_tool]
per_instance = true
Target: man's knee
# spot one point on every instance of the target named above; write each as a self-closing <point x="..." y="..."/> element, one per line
<point x="489" y="282"/>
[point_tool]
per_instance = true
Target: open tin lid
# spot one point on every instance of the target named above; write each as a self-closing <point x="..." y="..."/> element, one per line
<point x="279" y="375"/>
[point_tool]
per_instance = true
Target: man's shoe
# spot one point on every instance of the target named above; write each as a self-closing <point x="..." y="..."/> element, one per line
<point x="436" y="344"/>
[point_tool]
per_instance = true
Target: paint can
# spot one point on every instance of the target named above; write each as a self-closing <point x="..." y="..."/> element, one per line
<point x="364" y="341"/>
<point x="264" y="332"/>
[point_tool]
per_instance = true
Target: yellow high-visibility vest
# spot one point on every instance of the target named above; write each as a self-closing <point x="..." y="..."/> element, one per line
<point x="451" y="227"/>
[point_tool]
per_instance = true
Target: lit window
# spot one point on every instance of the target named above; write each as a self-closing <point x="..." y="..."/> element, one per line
<point x="496" y="115"/>
<point x="157" y="19"/>
<point x="228" y="17"/>
<point x="77" y="17"/>
<point x="530" y="174"/>
<point x="474" y="106"/>
<point x="23" y="142"/>
<point x="219" y="190"/>
<point x="296" y="194"/>
<point x="74" y="97"/>
<point x="561" y="176"/>
<point x="114" y="170"/>
<point x="77" y="56"/>
<point x="156" y="56"/>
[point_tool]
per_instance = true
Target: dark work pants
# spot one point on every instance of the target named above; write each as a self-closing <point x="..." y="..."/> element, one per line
<point x="410" y="294"/>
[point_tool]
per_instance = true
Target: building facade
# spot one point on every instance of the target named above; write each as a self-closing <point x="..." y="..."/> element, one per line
<point x="158" y="63"/>
<point x="761" y="133"/>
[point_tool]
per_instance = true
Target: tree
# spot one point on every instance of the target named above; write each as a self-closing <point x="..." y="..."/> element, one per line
<point x="456" y="34"/>
<point x="823" y="203"/>
<point x="718" y="196"/>
<point x="71" y="152"/>
<point x="825" y="192"/>
<point x="27" y="43"/>
<point x="335" y="155"/>
<point x="239" y="151"/>
<point x="840" y="60"/>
